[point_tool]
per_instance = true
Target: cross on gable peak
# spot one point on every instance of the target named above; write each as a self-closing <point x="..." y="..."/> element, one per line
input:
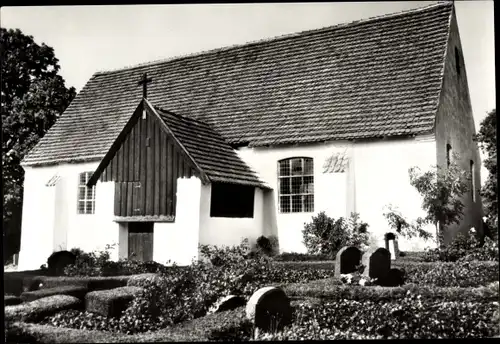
<point x="144" y="81"/>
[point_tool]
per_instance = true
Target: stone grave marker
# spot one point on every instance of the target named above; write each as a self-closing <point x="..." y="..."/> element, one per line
<point x="377" y="263"/>
<point x="346" y="261"/>
<point x="391" y="244"/>
<point x="269" y="309"/>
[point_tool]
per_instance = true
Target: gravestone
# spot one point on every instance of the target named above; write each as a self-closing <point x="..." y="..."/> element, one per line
<point x="228" y="303"/>
<point x="59" y="260"/>
<point x="269" y="309"/>
<point x="391" y="244"/>
<point x="347" y="260"/>
<point x="377" y="263"/>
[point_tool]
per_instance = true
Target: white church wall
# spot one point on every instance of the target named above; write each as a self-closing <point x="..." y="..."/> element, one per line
<point x="329" y="188"/>
<point x="381" y="178"/>
<point x="52" y="223"/>
<point x="177" y="242"/>
<point x="38" y="219"/>
<point x="229" y="231"/>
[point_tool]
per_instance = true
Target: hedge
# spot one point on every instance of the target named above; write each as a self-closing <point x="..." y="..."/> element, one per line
<point x="11" y="300"/>
<point x="38" y="309"/>
<point x="71" y="290"/>
<point x="91" y="283"/>
<point x="332" y="289"/>
<point x="110" y="302"/>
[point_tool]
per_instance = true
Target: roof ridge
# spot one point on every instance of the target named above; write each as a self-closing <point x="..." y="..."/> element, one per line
<point x="276" y="38"/>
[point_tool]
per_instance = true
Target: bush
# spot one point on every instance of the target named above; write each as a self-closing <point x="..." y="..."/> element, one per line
<point x="301" y="257"/>
<point x="334" y="289"/>
<point x="71" y="290"/>
<point x="464" y="247"/>
<point x="11" y="300"/>
<point x="266" y="246"/>
<point x="325" y="235"/>
<point x="36" y="310"/>
<point x="459" y="274"/>
<point x="98" y="263"/>
<point x="91" y="283"/>
<point x="408" y="317"/>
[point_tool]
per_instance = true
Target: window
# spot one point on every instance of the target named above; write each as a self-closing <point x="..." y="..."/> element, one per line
<point x="457" y="60"/>
<point x="231" y="200"/>
<point x="296" y="185"/>
<point x="86" y="195"/>
<point x="448" y="155"/>
<point x="472" y="182"/>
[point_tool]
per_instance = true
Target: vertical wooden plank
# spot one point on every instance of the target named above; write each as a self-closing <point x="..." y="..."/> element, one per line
<point x="120" y="157"/>
<point x="131" y="160"/>
<point x="114" y="167"/>
<point x="130" y="190"/>
<point x="174" y="179"/>
<point x="162" y="187"/>
<point x="156" y="166"/>
<point x="118" y="191"/>
<point x="137" y="150"/>
<point x="168" y="185"/>
<point x="123" y="201"/>
<point x="180" y="167"/>
<point x="150" y="170"/>
<point x="143" y="158"/>
<point x="125" y="158"/>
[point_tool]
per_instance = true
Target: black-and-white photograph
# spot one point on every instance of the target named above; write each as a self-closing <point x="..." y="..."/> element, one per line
<point x="249" y="172"/>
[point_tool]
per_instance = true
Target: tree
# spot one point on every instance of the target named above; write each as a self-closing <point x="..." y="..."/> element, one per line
<point x="442" y="189"/>
<point x="33" y="97"/>
<point x="487" y="138"/>
<point x="403" y="227"/>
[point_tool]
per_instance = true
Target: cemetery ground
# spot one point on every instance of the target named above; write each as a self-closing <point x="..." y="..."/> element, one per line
<point x="284" y="297"/>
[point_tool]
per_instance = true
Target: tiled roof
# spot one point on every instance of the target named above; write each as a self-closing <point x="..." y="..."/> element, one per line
<point x="367" y="79"/>
<point x="209" y="150"/>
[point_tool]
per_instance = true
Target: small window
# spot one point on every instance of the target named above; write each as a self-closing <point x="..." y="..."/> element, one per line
<point x="231" y="200"/>
<point x="86" y="195"/>
<point x="448" y="155"/>
<point x="296" y="185"/>
<point x="457" y="60"/>
<point x="472" y="182"/>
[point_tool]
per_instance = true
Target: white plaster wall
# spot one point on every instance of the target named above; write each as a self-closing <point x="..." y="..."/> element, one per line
<point x="376" y="175"/>
<point x="49" y="221"/>
<point x="230" y="231"/>
<point x="329" y="188"/>
<point x="177" y="242"/>
<point x="38" y="219"/>
<point x="381" y="178"/>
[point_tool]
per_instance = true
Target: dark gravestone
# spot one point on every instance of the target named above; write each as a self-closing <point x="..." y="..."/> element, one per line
<point x="391" y="244"/>
<point x="347" y="260"/>
<point x="269" y="309"/>
<point x="59" y="260"/>
<point x="394" y="278"/>
<point x="377" y="263"/>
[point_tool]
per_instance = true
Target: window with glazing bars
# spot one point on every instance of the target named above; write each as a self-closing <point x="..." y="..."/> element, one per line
<point x="86" y="195"/>
<point x="296" y="185"/>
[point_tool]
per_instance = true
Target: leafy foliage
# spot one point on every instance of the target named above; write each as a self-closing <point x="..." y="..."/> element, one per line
<point x="301" y="257"/>
<point x="487" y="138"/>
<point x="33" y="97"/>
<point x="402" y="227"/>
<point x="442" y="190"/>
<point x="325" y="235"/>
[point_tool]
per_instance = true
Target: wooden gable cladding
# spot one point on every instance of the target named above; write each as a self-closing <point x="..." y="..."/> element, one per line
<point x="145" y="168"/>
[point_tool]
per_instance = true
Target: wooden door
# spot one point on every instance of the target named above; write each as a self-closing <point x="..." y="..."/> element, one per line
<point x="140" y="241"/>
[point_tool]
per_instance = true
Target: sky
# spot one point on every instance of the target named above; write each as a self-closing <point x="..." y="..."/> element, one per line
<point x="87" y="39"/>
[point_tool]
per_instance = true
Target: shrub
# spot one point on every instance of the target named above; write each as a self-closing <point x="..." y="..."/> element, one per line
<point x="459" y="274"/>
<point x="11" y="300"/>
<point x="266" y="246"/>
<point x="98" y="263"/>
<point x="301" y="257"/>
<point x="76" y="291"/>
<point x="36" y="310"/>
<point x="487" y="252"/>
<point x="91" y="283"/>
<point x="325" y="235"/>
<point x="461" y="246"/>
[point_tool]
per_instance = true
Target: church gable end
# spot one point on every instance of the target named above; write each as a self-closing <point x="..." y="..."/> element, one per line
<point x="145" y="168"/>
